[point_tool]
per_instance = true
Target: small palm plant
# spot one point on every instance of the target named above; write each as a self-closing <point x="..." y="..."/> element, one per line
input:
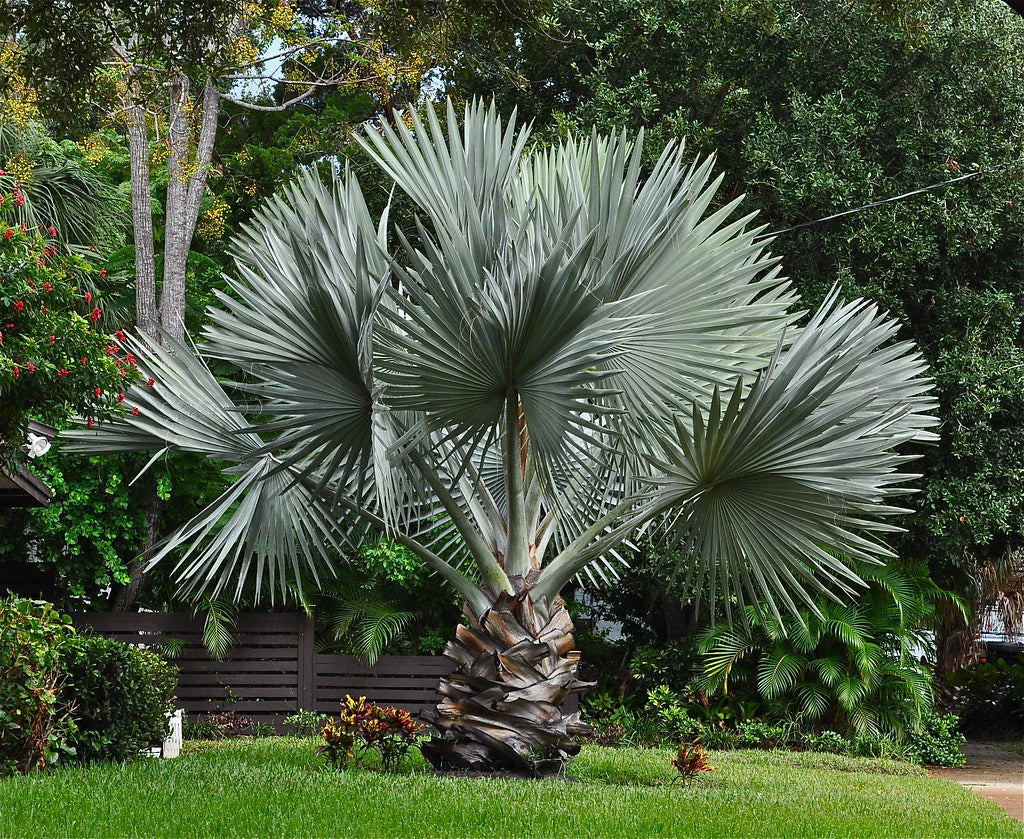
<point x="561" y="353"/>
<point x="848" y="667"/>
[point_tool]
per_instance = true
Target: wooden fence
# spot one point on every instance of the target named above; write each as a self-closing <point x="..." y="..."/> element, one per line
<point x="272" y="671"/>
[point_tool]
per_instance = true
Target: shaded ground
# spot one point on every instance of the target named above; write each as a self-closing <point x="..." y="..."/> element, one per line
<point x="992" y="773"/>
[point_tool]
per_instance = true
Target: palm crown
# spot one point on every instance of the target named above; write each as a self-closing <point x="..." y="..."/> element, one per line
<point x="559" y="354"/>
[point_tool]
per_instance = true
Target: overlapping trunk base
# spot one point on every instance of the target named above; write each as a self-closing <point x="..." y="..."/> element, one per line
<point x="502" y="707"/>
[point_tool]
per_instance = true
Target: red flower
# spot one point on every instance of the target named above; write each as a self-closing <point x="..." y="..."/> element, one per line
<point x="62" y="373"/>
<point x="17" y="371"/>
<point x="19" y="199"/>
<point x="98" y="392"/>
<point x="85" y="360"/>
<point x="19" y="305"/>
<point x="151" y="382"/>
<point x="135" y="411"/>
<point x="119" y="335"/>
<point x="8" y="233"/>
<point x="23" y="228"/>
<point x="96" y="315"/>
<point x="130" y="358"/>
<point x="53" y="339"/>
<point x="31" y="367"/>
<point x="103" y="273"/>
<point x="51" y="230"/>
<point x="47" y="287"/>
<point x="88" y="297"/>
<point x="111" y="349"/>
<point x="90" y="423"/>
<point x="120" y="398"/>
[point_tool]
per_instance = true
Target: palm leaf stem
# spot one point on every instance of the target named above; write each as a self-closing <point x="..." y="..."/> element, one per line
<point x="491" y="572"/>
<point x="602" y="536"/>
<point x="517" y="558"/>
<point x="476" y="599"/>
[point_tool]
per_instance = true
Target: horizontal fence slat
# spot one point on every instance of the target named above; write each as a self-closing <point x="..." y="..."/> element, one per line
<point x="378" y="683"/>
<point x="387" y="695"/>
<point x="265" y="706"/>
<point x="241" y="691"/>
<point x="221" y="680"/>
<point x="245" y="666"/>
<point x="202" y="654"/>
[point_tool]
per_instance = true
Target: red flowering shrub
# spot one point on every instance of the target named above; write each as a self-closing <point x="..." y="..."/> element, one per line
<point x="55" y="362"/>
<point x="363" y="725"/>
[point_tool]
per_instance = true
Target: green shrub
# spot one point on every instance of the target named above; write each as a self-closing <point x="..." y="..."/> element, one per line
<point x="34" y="721"/>
<point x="939" y="741"/>
<point x="757" y="734"/>
<point x="307" y="723"/>
<point x="121" y="696"/>
<point x="991" y="698"/>
<point x="824" y="741"/>
<point x="672" y="724"/>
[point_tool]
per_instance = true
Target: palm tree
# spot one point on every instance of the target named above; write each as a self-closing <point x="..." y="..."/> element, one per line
<point x="559" y="355"/>
<point x="59" y="190"/>
<point x="850" y="667"/>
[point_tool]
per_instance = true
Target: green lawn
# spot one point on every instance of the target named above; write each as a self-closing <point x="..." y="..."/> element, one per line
<point x="275" y="787"/>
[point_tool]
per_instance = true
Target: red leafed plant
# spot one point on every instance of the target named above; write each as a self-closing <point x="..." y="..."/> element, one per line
<point x="362" y="725"/>
<point x="691" y="761"/>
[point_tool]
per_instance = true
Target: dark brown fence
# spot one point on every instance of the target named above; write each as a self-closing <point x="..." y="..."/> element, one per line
<point x="272" y="671"/>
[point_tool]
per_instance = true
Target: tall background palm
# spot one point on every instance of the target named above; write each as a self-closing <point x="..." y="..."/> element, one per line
<point x="561" y="354"/>
<point x="60" y="190"/>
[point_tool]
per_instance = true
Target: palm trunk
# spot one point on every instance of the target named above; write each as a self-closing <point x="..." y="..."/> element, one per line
<point x="502" y="707"/>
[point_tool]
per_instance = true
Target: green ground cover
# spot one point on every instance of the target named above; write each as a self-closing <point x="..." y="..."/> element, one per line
<point x="276" y="787"/>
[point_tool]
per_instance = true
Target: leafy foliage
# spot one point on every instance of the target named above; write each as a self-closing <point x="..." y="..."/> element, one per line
<point x="847" y="667"/>
<point x="368" y="727"/>
<point x="34" y="718"/>
<point x="54" y="362"/>
<point x="121" y="696"/>
<point x="938" y="741"/>
<point x="990" y="698"/>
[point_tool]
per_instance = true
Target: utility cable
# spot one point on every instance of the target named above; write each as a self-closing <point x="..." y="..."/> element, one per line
<point x="873" y="204"/>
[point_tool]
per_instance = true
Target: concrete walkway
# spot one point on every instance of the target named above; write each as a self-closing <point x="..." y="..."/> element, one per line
<point x="992" y="773"/>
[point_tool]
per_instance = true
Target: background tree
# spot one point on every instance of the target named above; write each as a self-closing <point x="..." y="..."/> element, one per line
<point x="565" y="354"/>
<point x="817" y="109"/>
<point x="161" y="74"/>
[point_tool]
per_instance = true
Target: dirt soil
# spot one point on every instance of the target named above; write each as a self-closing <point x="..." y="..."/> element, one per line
<point x="992" y="773"/>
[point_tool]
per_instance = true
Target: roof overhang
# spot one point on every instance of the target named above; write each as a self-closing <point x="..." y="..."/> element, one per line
<point x="21" y="488"/>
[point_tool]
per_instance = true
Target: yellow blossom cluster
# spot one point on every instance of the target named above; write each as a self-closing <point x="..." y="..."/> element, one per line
<point x="283" y="16"/>
<point x="243" y="51"/>
<point x="95" y="148"/>
<point x="20" y="169"/>
<point x="211" y="225"/>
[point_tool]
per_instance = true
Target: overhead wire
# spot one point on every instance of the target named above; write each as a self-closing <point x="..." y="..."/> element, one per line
<point x="892" y="199"/>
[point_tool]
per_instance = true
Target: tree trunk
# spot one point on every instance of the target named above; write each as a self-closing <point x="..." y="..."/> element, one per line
<point x="149" y="498"/>
<point x="502" y="707"/>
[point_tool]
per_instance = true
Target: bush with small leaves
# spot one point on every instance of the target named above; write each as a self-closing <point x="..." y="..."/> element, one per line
<point x="34" y="719"/>
<point x="121" y="696"/>
<point x="939" y="741"/>
<point x="307" y="723"/>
